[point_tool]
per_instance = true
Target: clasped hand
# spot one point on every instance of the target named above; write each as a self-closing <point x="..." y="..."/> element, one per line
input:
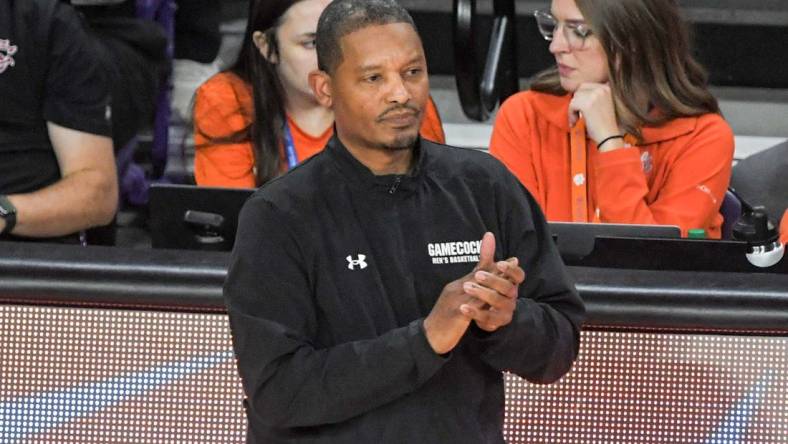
<point x="487" y="296"/>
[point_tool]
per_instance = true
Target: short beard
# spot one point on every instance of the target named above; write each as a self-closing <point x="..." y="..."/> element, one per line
<point x="401" y="142"/>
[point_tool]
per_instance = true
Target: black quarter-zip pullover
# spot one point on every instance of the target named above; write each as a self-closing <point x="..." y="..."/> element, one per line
<point x="333" y="273"/>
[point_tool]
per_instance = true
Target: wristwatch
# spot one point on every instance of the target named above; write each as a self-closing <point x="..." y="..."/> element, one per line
<point x="7" y="213"/>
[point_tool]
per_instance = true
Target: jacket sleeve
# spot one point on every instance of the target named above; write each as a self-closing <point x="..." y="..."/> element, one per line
<point x="290" y="380"/>
<point x="693" y="192"/>
<point x="77" y="87"/>
<point x="543" y="339"/>
<point x="220" y="160"/>
<point x="512" y="142"/>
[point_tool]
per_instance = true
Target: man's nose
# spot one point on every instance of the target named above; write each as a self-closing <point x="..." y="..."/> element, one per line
<point x="398" y="91"/>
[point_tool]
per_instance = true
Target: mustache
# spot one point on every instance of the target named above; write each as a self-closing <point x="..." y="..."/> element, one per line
<point x="398" y="108"/>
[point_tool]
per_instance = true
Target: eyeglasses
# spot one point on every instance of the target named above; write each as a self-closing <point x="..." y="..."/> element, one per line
<point x="575" y="32"/>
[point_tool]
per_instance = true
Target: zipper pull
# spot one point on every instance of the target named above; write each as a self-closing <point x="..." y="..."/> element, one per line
<point x="395" y="185"/>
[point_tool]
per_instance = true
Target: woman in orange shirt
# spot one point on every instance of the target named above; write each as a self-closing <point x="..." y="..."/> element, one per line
<point x="623" y="129"/>
<point x="259" y="118"/>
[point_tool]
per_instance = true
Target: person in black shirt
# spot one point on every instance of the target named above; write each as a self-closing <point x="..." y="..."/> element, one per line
<point x="57" y="169"/>
<point x="368" y="294"/>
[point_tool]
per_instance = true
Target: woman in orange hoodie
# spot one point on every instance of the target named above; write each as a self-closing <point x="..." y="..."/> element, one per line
<point x="623" y="128"/>
<point x="259" y="118"/>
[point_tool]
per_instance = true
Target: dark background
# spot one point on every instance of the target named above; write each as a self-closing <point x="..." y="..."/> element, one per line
<point x="734" y="55"/>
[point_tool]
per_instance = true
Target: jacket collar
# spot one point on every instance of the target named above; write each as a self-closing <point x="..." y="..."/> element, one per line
<point x="555" y="110"/>
<point x="358" y="174"/>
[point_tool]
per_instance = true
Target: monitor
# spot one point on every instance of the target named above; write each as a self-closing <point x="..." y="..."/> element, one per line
<point x="577" y="239"/>
<point x="195" y="218"/>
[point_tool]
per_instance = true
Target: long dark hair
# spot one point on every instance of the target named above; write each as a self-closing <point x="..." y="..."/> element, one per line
<point x="268" y="98"/>
<point x="649" y="59"/>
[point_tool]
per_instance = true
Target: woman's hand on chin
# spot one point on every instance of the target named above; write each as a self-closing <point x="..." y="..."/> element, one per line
<point x="594" y="102"/>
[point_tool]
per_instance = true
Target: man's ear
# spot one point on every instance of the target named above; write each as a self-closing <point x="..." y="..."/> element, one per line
<point x="320" y="82"/>
<point x="260" y="40"/>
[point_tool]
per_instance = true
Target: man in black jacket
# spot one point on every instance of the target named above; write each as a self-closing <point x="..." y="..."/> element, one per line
<point x="364" y="306"/>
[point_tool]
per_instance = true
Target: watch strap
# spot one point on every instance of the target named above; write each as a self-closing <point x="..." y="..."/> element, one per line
<point x="8" y="213"/>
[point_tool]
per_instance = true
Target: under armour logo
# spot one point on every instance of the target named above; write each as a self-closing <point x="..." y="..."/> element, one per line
<point x="361" y="262"/>
<point x="6" y="51"/>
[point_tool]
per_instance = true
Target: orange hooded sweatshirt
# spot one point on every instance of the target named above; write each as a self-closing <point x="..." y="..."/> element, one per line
<point x="223" y="107"/>
<point x="677" y="176"/>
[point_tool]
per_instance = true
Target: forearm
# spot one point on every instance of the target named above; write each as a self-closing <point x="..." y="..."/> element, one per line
<point x="689" y="198"/>
<point x="621" y="188"/>
<point x="224" y="165"/>
<point x="691" y="174"/>
<point x="78" y="201"/>
<point x="293" y="384"/>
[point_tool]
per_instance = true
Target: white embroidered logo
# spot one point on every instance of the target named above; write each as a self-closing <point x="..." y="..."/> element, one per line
<point x="703" y="188"/>
<point x="6" y="51"/>
<point x="459" y="252"/>
<point x="361" y="262"/>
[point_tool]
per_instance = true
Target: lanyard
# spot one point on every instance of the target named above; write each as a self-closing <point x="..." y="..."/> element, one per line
<point x="290" y="152"/>
<point x="578" y="162"/>
<point x="578" y="166"/>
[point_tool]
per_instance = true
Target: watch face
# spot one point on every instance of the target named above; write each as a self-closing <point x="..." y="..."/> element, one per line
<point x="6" y="207"/>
